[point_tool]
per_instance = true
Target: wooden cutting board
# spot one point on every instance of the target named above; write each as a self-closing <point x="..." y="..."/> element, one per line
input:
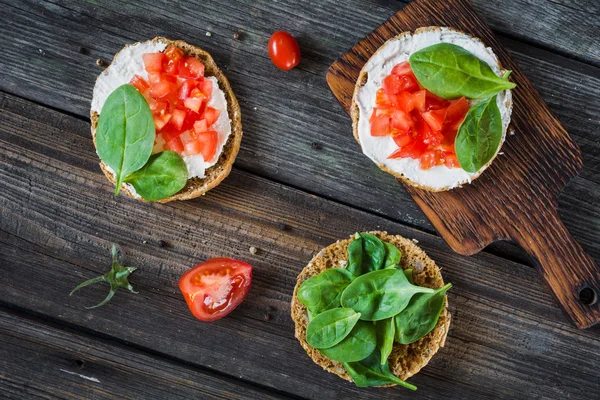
<point x="514" y="199"/>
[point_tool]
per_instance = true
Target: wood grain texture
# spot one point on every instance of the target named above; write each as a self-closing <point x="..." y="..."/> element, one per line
<point x="507" y="340"/>
<point x="284" y="113"/>
<point x="516" y="198"/>
<point x="42" y="360"/>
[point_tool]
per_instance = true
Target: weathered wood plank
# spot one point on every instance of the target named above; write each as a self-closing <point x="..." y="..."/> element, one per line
<point x="42" y="360"/>
<point x="508" y="338"/>
<point x="284" y="113"/>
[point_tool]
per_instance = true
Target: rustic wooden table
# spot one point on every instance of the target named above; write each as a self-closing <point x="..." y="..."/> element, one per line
<point x="299" y="183"/>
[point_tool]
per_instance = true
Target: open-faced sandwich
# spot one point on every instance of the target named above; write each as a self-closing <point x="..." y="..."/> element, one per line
<point x="371" y="309"/>
<point x="165" y="122"/>
<point x="432" y="107"/>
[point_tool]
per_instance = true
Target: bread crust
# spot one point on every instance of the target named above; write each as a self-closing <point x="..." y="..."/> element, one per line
<point x="405" y="360"/>
<point x="195" y="187"/>
<point x="355" y="114"/>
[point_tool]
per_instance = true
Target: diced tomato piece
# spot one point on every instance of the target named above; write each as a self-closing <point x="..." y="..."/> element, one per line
<point x="392" y="84"/>
<point x="200" y="126"/>
<point x="402" y="139"/>
<point x="139" y="83"/>
<point x="153" y="62"/>
<point x="193" y="103"/>
<point x="380" y="126"/>
<point x="161" y="89"/>
<point x="408" y="83"/>
<point x="412" y="150"/>
<point x="427" y="160"/>
<point x="208" y="141"/>
<point x="197" y="93"/>
<point x="172" y="67"/>
<point x="450" y="160"/>
<point x="175" y="145"/>
<point x="435" y="119"/>
<point x="187" y="137"/>
<point x="381" y="98"/>
<point x="168" y="134"/>
<point x="211" y="115"/>
<point x="177" y="118"/>
<point x="406" y="102"/>
<point x="159" y="144"/>
<point x="433" y="102"/>
<point x="402" y="69"/>
<point x="207" y="87"/>
<point x="174" y="53"/>
<point x="158" y="106"/>
<point x="456" y="112"/>
<point x="195" y="67"/>
<point x="184" y="90"/>
<point x="193" y="147"/>
<point x="419" y="100"/>
<point x="401" y="121"/>
<point x="161" y="120"/>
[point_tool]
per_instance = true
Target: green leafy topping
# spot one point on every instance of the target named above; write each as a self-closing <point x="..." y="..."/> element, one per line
<point x="330" y="327"/>
<point x="385" y="337"/>
<point x="392" y="257"/>
<point x="360" y="342"/>
<point x="450" y="71"/>
<point x="342" y="302"/>
<point x="373" y="372"/>
<point x="479" y="135"/>
<point x="380" y="294"/>
<point x="116" y="278"/>
<point x="420" y="316"/>
<point x="322" y="292"/>
<point x="125" y="134"/>
<point x="163" y="175"/>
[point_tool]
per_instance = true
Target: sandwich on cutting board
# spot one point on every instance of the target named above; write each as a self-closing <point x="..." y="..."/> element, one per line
<point x="165" y="122"/>
<point x="432" y="107"/>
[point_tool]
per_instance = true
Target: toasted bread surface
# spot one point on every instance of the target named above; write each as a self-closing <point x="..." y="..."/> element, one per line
<point x="405" y="360"/>
<point x="355" y="115"/>
<point x="196" y="187"/>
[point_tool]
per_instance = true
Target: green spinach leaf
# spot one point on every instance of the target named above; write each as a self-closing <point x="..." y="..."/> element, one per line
<point x="392" y="255"/>
<point x="163" y="175"/>
<point x="331" y="327"/>
<point x="380" y="294"/>
<point x="355" y="256"/>
<point x="409" y="275"/>
<point x="386" y="330"/>
<point x="479" y="135"/>
<point x="125" y="134"/>
<point x="361" y="342"/>
<point x="373" y="372"/>
<point x="420" y="316"/>
<point x="450" y="71"/>
<point x="373" y="253"/>
<point x="323" y="291"/>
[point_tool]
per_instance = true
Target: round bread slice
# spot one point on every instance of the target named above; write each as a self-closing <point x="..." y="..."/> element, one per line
<point x="405" y="360"/>
<point x="214" y="175"/>
<point x="392" y="52"/>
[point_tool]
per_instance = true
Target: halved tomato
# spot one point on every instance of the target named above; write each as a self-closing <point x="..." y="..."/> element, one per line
<point x="215" y="287"/>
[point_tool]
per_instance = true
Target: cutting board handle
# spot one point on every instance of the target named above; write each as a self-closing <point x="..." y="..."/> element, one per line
<point x="571" y="273"/>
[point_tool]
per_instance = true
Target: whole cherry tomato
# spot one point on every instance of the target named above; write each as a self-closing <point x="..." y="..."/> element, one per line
<point x="284" y="50"/>
<point x="214" y="288"/>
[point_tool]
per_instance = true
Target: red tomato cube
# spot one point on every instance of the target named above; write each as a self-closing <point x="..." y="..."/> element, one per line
<point x="153" y="62"/>
<point x="402" y="69"/>
<point x="435" y="119"/>
<point x="161" y="89"/>
<point x="195" y="67"/>
<point x="174" y="53"/>
<point x="139" y="83"/>
<point x="193" y="103"/>
<point x="174" y="145"/>
<point x="161" y="120"/>
<point x="401" y="121"/>
<point x="419" y="100"/>
<point x="207" y="87"/>
<point x="200" y="126"/>
<point x="211" y="115"/>
<point x="193" y="147"/>
<point x="208" y="141"/>
<point x="380" y="126"/>
<point x="177" y="118"/>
